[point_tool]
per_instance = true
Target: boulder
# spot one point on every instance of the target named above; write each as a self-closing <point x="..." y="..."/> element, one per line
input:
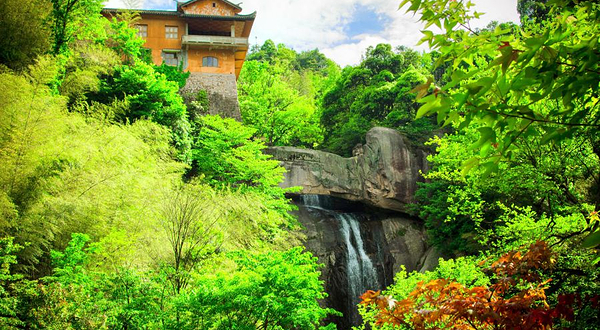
<point x="384" y="171"/>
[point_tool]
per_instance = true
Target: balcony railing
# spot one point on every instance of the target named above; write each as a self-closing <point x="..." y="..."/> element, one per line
<point x="214" y="41"/>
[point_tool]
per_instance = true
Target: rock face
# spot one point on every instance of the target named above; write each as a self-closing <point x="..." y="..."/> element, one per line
<point x="353" y="213"/>
<point x="221" y="90"/>
<point x="360" y="247"/>
<point x="384" y="172"/>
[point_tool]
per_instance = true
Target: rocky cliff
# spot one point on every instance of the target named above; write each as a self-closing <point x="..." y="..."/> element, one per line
<point x="360" y="247"/>
<point x="384" y="172"/>
<point x="353" y="211"/>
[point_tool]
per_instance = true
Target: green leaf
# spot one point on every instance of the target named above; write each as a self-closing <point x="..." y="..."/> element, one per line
<point x="522" y="83"/>
<point x="534" y="42"/>
<point x="404" y="2"/>
<point x="429" y="107"/>
<point x="487" y="134"/>
<point x="552" y="135"/>
<point x="592" y="240"/>
<point x="415" y="4"/>
<point x="481" y="86"/>
<point x="469" y="164"/>
<point x="489" y="168"/>
<point x="460" y="99"/>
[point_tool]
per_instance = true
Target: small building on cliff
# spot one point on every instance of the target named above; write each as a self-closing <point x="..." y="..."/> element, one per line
<point x="208" y="38"/>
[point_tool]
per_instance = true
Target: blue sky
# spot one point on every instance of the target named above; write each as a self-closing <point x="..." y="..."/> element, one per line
<point x="341" y="29"/>
<point x="365" y="20"/>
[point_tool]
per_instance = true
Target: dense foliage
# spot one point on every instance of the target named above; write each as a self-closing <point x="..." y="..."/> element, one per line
<point x="117" y="200"/>
<point x="24" y="34"/>
<point x="277" y="290"/>
<point x="521" y="169"/>
<point x="303" y="99"/>
<point x="375" y="93"/>
<point x="280" y="92"/>
<point x="124" y="207"/>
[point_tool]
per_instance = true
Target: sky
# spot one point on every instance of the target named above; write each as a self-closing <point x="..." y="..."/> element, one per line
<point x="341" y="29"/>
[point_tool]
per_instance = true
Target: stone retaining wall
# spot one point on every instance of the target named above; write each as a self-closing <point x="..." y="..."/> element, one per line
<point x="221" y="90"/>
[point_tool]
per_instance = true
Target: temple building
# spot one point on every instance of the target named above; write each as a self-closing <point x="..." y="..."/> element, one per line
<point x="208" y="38"/>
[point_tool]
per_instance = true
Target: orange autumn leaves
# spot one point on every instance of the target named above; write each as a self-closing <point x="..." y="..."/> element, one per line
<point x="515" y="300"/>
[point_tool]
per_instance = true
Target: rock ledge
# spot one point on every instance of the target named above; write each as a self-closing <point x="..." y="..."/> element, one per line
<point x="384" y="173"/>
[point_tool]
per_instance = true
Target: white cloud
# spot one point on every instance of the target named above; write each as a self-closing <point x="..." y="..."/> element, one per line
<point x="323" y="24"/>
<point x="404" y="29"/>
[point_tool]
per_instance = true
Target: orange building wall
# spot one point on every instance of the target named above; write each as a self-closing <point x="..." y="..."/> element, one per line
<point x="226" y="60"/>
<point x="205" y="7"/>
<point x="156" y="39"/>
<point x="230" y="61"/>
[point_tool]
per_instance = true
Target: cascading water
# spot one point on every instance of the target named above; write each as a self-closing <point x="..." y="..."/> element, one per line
<point x="360" y="247"/>
<point x="360" y="272"/>
<point x="312" y="201"/>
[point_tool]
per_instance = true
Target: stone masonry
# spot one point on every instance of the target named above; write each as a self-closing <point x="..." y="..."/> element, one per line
<point x="221" y="90"/>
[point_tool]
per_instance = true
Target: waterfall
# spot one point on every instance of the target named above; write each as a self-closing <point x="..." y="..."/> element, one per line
<point x="353" y="270"/>
<point x="311" y="201"/>
<point x="361" y="274"/>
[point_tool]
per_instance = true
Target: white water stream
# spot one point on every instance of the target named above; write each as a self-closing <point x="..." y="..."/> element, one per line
<point x="361" y="274"/>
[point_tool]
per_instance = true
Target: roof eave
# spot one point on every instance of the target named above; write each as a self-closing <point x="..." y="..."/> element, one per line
<point x="191" y="1"/>
<point x="142" y="11"/>
<point x="236" y="17"/>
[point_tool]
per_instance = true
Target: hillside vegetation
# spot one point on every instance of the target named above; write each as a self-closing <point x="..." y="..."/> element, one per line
<point x="122" y="207"/>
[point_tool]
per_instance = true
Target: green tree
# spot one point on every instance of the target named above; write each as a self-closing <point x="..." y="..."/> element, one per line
<point x="279" y="113"/>
<point x="266" y="53"/>
<point x="83" y="69"/>
<point x="375" y="93"/>
<point x="24" y="31"/>
<point x="312" y="60"/>
<point x="456" y="206"/>
<point x="227" y="157"/>
<point x="10" y="285"/>
<point x="150" y="96"/>
<point x="532" y="10"/>
<point x="122" y="37"/>
<point x="64" y="172"/>
<point x="173" y="73"/>
<point x="274" y="290"/>
<point x="67" y="15"/>
<point x="280" y="91"/>
<point x="190" y="221"/>
<point x="225" y="153"/>
<point x="536" y="83"/>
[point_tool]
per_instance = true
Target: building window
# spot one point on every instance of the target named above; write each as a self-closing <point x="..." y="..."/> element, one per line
<point x="171" y="32"/>
<point x="170" y="58"/>
<point x="142" y="30"/>
<point x="210" y="61"/>
<point x="214" y="4"/>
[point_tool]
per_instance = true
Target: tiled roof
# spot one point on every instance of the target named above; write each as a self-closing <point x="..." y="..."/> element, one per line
<point x="236" y="17"/>
<point x="143" y="11"/>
